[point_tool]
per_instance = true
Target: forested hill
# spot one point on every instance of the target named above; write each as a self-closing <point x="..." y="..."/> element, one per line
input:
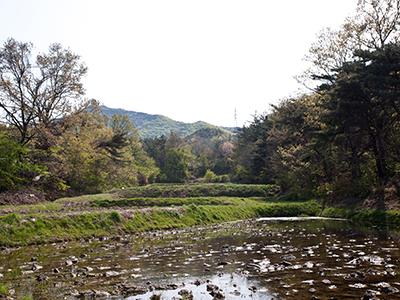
<point x="151" y="126"/>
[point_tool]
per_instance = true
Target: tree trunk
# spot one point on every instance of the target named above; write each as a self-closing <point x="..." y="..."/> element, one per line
<point x="381" y="167"/>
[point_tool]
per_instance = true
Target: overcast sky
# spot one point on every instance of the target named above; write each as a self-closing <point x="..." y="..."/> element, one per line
<point x="189" y="60"/>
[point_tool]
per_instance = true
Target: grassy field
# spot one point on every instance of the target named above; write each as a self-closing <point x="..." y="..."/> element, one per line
<point x="142" y="209"/>
<point x="201" y="190"/>
<point x="18" y="229"/>
<point x="160" y="206"/>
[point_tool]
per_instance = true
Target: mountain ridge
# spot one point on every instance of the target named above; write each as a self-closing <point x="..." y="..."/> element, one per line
<point x="155" y="125"/>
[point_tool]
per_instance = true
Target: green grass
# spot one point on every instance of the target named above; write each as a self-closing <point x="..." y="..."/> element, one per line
<point x="200" y="190"/>
<point x="152" y="207"/>
<point x="88" y="198"/>
<point x="3" y="290"/>
<point x="93" y="202"/>
<point x="16" y="229"/>
<point x="389" y="218"/>
<point x="165" y="202"/>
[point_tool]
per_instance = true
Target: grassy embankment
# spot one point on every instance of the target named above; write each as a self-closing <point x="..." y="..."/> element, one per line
<point x="141" y="209"/>
<point x="363" y="216"/>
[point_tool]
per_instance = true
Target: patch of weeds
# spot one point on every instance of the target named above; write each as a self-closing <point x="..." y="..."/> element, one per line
<point x="3" y="290"/>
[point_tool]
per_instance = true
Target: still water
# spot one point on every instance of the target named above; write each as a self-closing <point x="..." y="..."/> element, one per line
<point x="264" y="259"/>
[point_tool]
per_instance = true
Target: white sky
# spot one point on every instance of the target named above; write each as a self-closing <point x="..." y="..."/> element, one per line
<point x="188" y="60"/>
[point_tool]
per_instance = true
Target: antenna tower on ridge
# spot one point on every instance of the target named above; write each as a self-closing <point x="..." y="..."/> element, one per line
<point x="235" y="117"/>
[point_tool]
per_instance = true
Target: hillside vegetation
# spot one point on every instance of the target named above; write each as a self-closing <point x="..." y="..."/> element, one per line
<point x="152" y="126"/>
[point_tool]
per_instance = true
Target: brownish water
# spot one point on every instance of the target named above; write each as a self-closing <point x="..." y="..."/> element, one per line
<point x="292" y="259"/>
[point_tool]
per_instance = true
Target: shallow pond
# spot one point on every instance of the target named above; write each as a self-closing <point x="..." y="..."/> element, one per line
<point x="265" y="259"/>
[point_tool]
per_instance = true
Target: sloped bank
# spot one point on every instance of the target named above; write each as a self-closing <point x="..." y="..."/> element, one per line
<point x="201" y="190"/>
<point x="367" y="217"/>
<point x="17" y="229"/>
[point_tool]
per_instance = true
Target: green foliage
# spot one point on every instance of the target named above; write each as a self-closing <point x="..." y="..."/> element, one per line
<point x="338" y="144"/>
<point x="207" y="148"/>
<point x="115" y="217"/>
<point x="15" y="167"/>
<point x="101" y="157"/>
<point x="3" y="290"/>
<point x="176" y="166"/>
<point x="171" y="156"/>
<point x="79" y="149"/>
<point x="364" y="105"/>
<point x="212" y="149"/>
<point x="283" y="147"/>
<point x="251" y="152"/>
<point x="211" y="177"/>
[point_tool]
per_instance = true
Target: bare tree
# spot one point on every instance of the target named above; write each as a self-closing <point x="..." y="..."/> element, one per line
<point x="35" y="93"/>
<point x="15" y="87"/>
<point x="331" y="50"/>
<point x="375" y="24"/>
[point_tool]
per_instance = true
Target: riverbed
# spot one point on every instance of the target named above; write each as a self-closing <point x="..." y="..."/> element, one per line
<point x="276" y="258"/>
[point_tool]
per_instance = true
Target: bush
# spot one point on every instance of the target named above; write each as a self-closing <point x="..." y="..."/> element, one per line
<point x="210" y="176"/>
<point x="115" y="217"/>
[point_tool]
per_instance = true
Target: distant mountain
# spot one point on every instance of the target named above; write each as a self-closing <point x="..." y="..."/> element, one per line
<point x="150" y="126"/>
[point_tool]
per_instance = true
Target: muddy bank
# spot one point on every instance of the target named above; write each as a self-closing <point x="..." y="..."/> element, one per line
<point x="28" y="196"/>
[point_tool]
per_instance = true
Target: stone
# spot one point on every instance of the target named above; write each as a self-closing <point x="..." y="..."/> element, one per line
<point x="111" y="274"/>
<point x="370" y="295"/>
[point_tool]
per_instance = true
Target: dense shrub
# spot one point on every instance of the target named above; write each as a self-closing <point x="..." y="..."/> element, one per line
<point x="211" y="177"/>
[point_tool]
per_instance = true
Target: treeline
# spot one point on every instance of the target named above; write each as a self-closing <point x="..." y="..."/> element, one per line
<point x="338" y="142"/>
<point x="55" y="142"/>
<point x="342" y="141"/>
<point x="205" y="156"/>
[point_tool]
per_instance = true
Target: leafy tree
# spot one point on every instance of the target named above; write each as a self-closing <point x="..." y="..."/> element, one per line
<point x="365" y="103"/>
<point x="251" y="152"/>
<point x="212" y="149"/>
<point x="15" y="167"/>
<point x="89" y="158"/>
<point x="155" y="148"/>
<point x="176" y="167"/>
<point x="173" y="157"/>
